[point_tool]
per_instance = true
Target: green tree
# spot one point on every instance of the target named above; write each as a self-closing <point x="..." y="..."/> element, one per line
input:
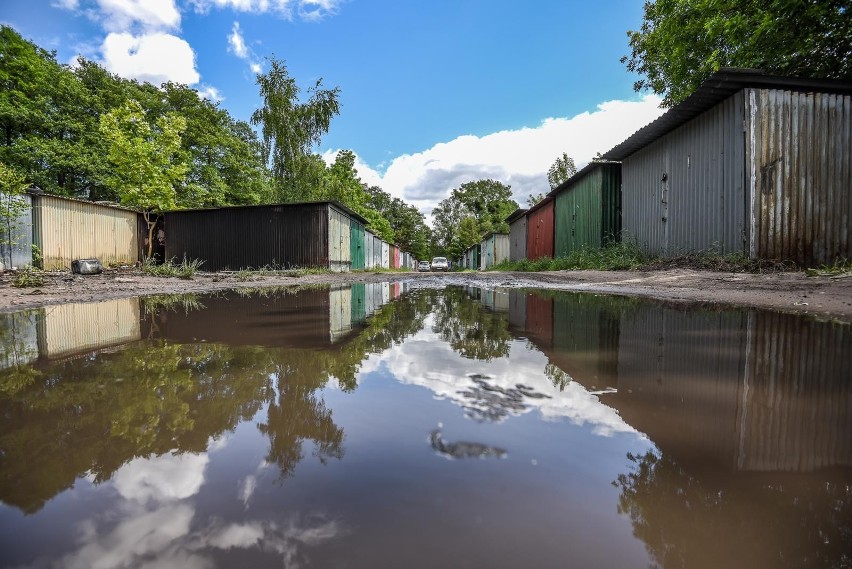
<point x="291" y="129"/>
<point x="682" y="42"/>
<point x="489" y="202"/>
<point x="562" y="169"/>
<point x="146" y="162"/>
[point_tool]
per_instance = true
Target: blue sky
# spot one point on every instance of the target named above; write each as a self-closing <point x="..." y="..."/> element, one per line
<point x="433" y="93"/>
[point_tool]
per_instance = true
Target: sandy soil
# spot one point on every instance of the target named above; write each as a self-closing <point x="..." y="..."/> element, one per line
<point x="825" y="297"/>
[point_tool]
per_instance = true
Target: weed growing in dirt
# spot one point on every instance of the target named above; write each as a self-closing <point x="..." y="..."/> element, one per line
<point x="184" y="270"/>
<point x="839" y="269"/>
<point x="28" y="277"/>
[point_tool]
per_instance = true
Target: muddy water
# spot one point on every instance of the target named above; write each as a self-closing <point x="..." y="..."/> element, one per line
<point x="371" y="426"/>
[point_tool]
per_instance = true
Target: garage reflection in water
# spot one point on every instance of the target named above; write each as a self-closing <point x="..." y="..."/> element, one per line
<point x="371" y="426"/>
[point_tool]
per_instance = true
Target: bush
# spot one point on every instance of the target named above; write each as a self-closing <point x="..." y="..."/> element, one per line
<point x="28" y="277"/>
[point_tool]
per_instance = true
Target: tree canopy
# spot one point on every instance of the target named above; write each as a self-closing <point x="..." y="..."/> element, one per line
<point x="487" y="202"/>
<point x="682" y="42"/>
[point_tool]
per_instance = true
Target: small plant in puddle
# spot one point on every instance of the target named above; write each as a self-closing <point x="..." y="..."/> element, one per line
<point x="184" y="270"/>
<point x="28" y="277"/>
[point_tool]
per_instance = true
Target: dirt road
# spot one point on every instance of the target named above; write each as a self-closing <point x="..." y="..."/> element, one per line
<point x="825" y="297"/>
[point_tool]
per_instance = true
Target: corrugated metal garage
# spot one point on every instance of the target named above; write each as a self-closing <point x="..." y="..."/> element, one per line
<point x="540" y="229"/>
<point x="588" y="209"/>
<point x="65" y="229"/>
<point x="517" y="235"/>
<point x="285" y="235"/>
<point x="749" y="163"/>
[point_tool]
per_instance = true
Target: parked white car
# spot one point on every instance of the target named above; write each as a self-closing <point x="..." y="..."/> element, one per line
<point x="440" y="264"/>
<point x="424" y="266"/>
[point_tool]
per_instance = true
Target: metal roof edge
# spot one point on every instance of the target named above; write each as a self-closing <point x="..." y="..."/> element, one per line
<point x="581" y="173"/>
<point x="517" y="214"/>
<point x="111" y="205"/>
<point x="333" y="203"/>
<point x="715" y="89"/>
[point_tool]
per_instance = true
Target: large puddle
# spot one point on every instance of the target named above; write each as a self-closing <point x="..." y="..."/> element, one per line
<point x="370" y="426"/>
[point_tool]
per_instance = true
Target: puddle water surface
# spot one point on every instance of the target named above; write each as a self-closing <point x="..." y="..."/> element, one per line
<point x="370" y="426"/>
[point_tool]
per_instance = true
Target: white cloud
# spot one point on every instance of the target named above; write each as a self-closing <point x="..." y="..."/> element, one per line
<point x="307" y="10"/>
<point x="161" y="478"/>
<point x="517" y="157"/>
<point x="237" y="45"/>
<point x="156" y="58"/>
<point x="124" y="15"/>
<point x="427" y="361"/>
<point x="210" y="93"/>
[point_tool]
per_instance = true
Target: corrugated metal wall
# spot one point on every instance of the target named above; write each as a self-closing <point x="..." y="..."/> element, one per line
<point x="16" y="242"/>
<point x="68" y="329"/>
<point x="486" y="246"/>
<point x="540" y="231"/>
<point x="385" y="255"/>
<point x="795" y="411"/>
<point x="685" y="191"/>
<point x="339" y="243"/>
<point x="394" y="257"/>
<point x="369" y="239"/>
<point x="518" y="239"/>
<point x="799" y="161"/>
<point x="66" y="229"/>
<point x="517" y="310"/>
<point x="293" y="235"/>
<point x="501" y="248"/>
<point x="340" y="312"/>
<point x="357" y="250"/>
<point x="539" y="325"/>
<point x="588" y="213"/>
<point x="585" y="339"/>
<point x="377" y="252"/>
<point x="679" y="378"/>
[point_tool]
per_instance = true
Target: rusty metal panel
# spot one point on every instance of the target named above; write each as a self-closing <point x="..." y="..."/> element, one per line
<point x="16" y="235"/>
<point x="686" y="191"/>
<point x="395" y="257"/>
<point x="339" y="240"/>
<point x="799" y="151"/>
<point x="795" y="401"/>
<point x="287" y="236"/>
<point x="501" y="248"/>
<point x="518" y="239"/>
<point x="679" y="380"/>
<point x="69" y="329"/>
<point x="540" y="230"/>
<point x="539" y="324"/>
<point x="66" y="229"/>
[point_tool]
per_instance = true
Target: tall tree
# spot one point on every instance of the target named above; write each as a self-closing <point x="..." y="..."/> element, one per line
<point x="561" y="169"/>
<point x="488" y="202"/>
<point x="146" y="161"/>
<point x="290" y="129"/>
<point x="681" y="42"/>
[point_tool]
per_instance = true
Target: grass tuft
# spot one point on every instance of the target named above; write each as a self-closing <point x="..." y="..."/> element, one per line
<point x="184" y="270"/>
<point x="28" y="277"/>
<point x="841" y="268"/>
<point x="614" y="257"/>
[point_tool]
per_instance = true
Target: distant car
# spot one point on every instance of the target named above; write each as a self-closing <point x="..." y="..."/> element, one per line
<point x="424" y="266"/>
<point x="440" y="264"/>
